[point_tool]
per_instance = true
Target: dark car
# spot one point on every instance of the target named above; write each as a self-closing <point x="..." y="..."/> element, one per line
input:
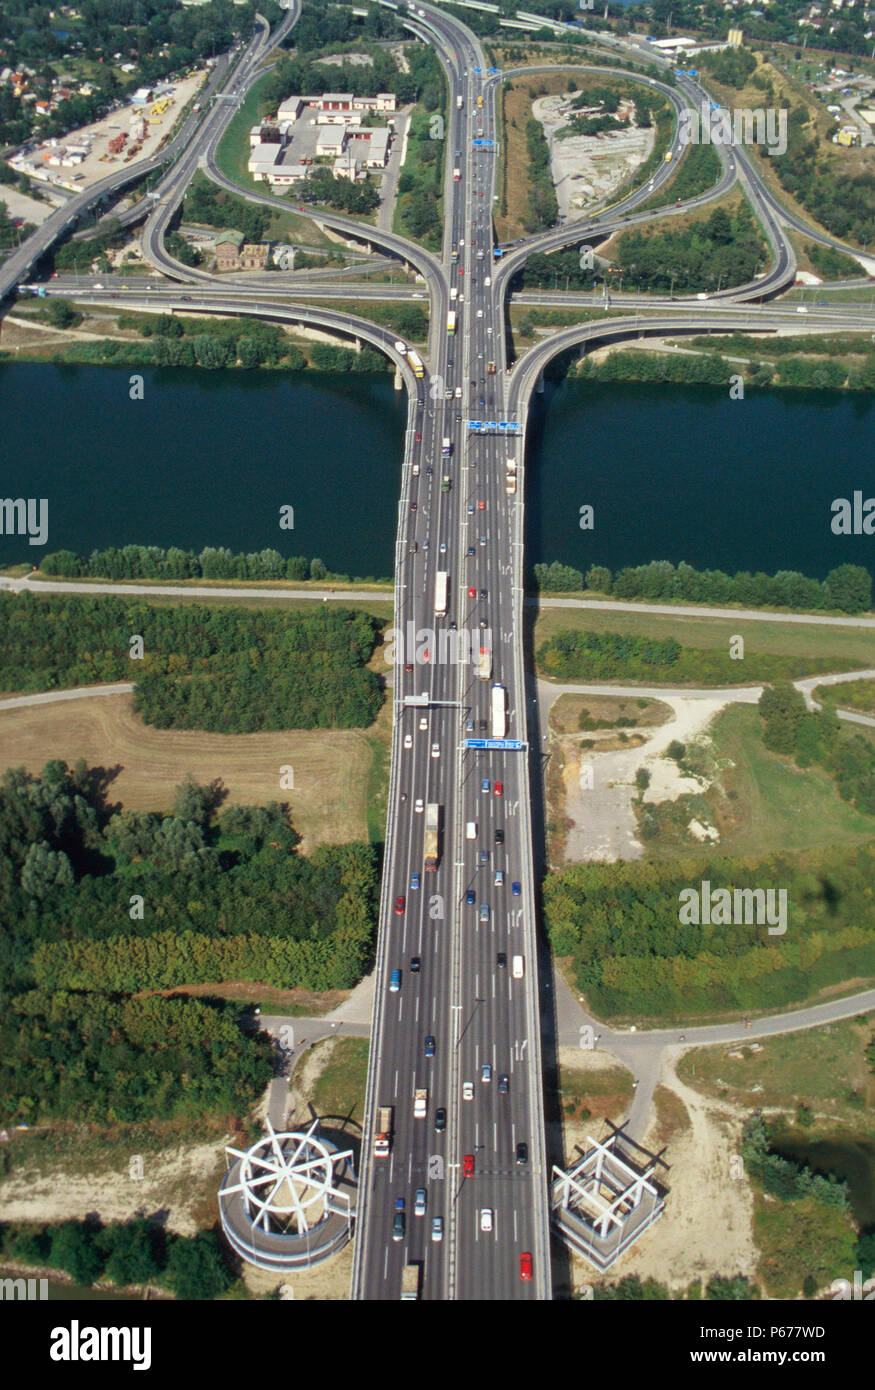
<point x="503" y="1084"/>
<point x="470" y="897"/>
<point x="499" y="837"/>
<point x="470" y="551"/>
<point x="501" y="959"/>
<point x="522" y="1153"/>
<point x="429" y="1046"/>
<point x="483" y="724"/>
<point x="440" y="1120"/>
<point x="415" y="965"/>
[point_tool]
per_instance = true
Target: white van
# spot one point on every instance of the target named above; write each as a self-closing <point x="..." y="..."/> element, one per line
<point x="471" y="830"/>
<point x="518" y="967"/>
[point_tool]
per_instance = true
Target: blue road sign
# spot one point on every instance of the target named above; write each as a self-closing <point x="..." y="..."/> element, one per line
<point x="513" y="745"/>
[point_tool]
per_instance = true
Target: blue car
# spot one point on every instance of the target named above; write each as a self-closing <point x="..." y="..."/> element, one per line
<point x="470" y="898"/>
<point x="484" y="785"/>
<point x="429" y="1046"/>
<point x="515" y="889"/>
<point x="395" y="982"/>
<point x="414" y="880"/>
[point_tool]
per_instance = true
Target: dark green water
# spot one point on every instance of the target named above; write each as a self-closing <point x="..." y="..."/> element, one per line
<point x="678" y="473"/>
<point x="852" y="1160"/>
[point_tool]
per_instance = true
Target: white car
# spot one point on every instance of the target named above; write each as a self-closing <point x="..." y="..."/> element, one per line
<point x="486" y="1219"/>
<point x="408" y="740"/>
<point x="423" y="723"/>
<point x="418" y="805"/>
<point x="458" y="393"/>
<point x="435" y="750"/>
<point x="467" y="1090"/>
<point x="479" y="313"/>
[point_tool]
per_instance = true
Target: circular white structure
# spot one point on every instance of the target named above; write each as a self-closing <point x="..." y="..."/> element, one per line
<point x="282" y="1203"/>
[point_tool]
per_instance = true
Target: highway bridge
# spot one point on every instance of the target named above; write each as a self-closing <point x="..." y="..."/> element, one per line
<point x="452" y="932"/>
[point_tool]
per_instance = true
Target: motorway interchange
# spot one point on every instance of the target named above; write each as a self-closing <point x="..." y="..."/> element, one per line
<point x="461" y="1187"/>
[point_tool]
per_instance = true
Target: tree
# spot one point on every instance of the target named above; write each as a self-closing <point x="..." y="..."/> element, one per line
<point x="61" y="314"/>
<point x="598" y="578"/>
<point x="196" y="1269"/>
<point x="642" y="779"/>
<point x="782" y="707"/>
<point x="74" y="1251"/>
<point x="849" y="588"/>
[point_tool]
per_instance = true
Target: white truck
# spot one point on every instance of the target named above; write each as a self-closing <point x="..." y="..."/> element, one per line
<point x="484" y="663"/>
<point x="383" y="1135"/>
<point x="459" y="102"/>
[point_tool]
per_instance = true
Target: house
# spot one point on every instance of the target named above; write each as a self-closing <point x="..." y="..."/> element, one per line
<point x="233" y="253"/>
<point x="331" y="141"/>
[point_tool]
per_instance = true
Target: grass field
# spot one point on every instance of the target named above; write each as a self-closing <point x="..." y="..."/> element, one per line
<point x="340" y="1088"/>
<point x="825" y="1068"/>
<point x="852" y="695"/>
<point x="760" y="803"/>
<point x="333" y="782"/>
<point x="846" y="649"/>
<point x="594" y="1094"/>
<point x="566" y="713"/>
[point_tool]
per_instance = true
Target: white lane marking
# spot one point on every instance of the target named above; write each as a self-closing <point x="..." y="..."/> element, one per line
<point x="416" y="1010"/>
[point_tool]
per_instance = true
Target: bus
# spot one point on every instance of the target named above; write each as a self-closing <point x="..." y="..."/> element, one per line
<point x="451" y="321"/>
<point x="440" y="594"/>
<point x="416" y="362"/>
<point x="499" y="711"/>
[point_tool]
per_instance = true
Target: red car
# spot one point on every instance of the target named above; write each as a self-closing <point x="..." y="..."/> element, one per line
<point x="418" y="437"/>
<point x="499" y="789"/>
<point x="481" y="505"/>
<point x="526" y="1267"/>
<point x="399" y="905"/>
<point x="461" y="270"/>
<point x="472" y="592"/>
<point x="468" y="1171"/>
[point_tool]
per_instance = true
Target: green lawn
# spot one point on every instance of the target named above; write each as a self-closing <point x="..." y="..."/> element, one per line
<point x="853" y="695"/>
<point x="340" y="1090"/>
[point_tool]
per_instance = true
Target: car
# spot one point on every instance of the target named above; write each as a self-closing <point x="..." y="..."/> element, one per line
<point x="501" y="960"/>
<point x="472" y="592"/>
<point x="468" y="1165"/>
<point x="435" y="750"/>
<point x="522" y="1153"/>
<point x="414" y="882"/>
<point x="408" y="665"/>
<point x="458" y="392"/>
<point x="499" y="878"/>
<point x="515" y="889"/>
<point x="499" y="836"/>
<point x="486" y="1072"/>
<point x="423" y="723"/>
<point x="481" y="505"/>
<point x="483" y="726"/>
<point x="470" y="551"/>
<point x="417" y="806"/>
<point x="470" y="897"/>
<point x="399" y="905"/>
<point x="395" y="982"/>
<point x="419" y="1200"/>
<point x="413" y="506"/>
<point x="440" y="1119"/>
<point x="415" y="965"/>
<point x="437" y="1228"/>
<point x="467" y="1090"/>
<point x="486" y="1219"/>
<point x="484" y="912"/>
<point x="469" y="726"/>
<point x="453" y="625"/>
<point x="499" y="789"/>
<point x="448" y="393"/>
<point x="484" y="622"/>
<point x="484" y="856"/>
<point x="408" y="740"/>
<point x="479" y="313"/>
<point x="482" y="400"/>
<point x="470" y="508"/>
<point x="484" y="593"/>
<point x="443" y="547"/>
<point x="526" y="1267"/>
<point x="429" y="1046"/>
<point x="418" y="437"/>
<point x="482" y="540"/>
<point x="398" y="1226"/>
<point x="503" y="1083"/>
<point x="484" y="784"/>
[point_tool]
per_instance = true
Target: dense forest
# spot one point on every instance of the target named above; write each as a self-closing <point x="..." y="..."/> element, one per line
<point x="227" y="670"/>
<point x="213" y="562"/>
<point x="711" y="253"/>
<point x="136" y="1253"/>
<point x="631" y="955"/>
<point x="98" y="904"/>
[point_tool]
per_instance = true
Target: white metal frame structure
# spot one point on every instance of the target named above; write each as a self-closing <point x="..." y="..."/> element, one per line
<point x="601" y="1227"/>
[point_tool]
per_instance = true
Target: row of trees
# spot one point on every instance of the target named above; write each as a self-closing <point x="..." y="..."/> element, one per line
<point x="542" y="207"/>
<point x="631" y="955"/>
<point x="420" y="191"/>
<point x="228" y="670"/>
<point x="126" y="1253"/>
<point x="156" y="562"/>
<point x="847" y="588"/>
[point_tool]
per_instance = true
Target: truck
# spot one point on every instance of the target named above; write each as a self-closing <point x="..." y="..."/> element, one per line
<point x="446" y="447"/>
<point x="457" y="174"/>
<point x="420" y="1104"/>
<point x="440" y="594"/>
<point x="416" y="363"/>
<point x="383" y="1135"/>
<point x="446" y="483"/>
<point x="451" y="321"/>
<point x="499" y="711"/>
<point x="479" y="103"/>
<point x="459" y="102"/>
<point x="484" y="664"/>
<point x="410" y="1284"/>
<point x="432" y="835"/>
<point x="510" y="479"/>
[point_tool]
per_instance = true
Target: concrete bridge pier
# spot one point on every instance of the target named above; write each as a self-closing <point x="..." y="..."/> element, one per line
<point x="398" y="381"/>
<point x="540" y="384"/>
